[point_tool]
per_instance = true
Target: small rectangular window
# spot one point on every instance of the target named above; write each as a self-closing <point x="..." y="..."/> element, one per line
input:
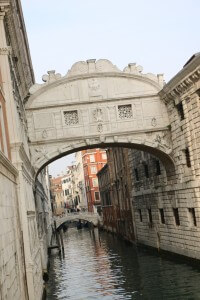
<point x="71" y="117"/>
<point x="97" y="196"/>
<point x="92" y="158"/>
<point x="136" y="174"/>
<point x="192" y="216"/>
<point x="125" y="111"/>
<point x="187" y="157"/>
<point x="162" y="215"/>
<point x="150" y="216"/>
<point x="140" y="214"/>
<point x="95" y="182"/>
<point x="93" y="170"/>
<point x="158" y="170"/>
<point x="146" y="170"/>
<point x="180" y="110"/>
<point x="104" y="156"/>
<point x="107" y="198"/>
<point x="176" y="216"/>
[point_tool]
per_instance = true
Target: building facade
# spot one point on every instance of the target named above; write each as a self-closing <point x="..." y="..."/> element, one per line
<point x="115" y="189"/>
<point x="67" y="188"/>
<point x="165" y="202"/>
<point x="58" y="195"/>
<point x="167" y="207"/>
<point x="25" y="230"/>
<point x="93" y="161"/>
<point x="80" y="182"/>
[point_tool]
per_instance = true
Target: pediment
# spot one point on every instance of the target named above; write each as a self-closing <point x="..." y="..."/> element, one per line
<point x="93" y="81"/>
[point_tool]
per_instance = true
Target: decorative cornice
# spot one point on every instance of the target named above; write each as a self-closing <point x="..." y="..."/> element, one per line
<point x="95" y="69"/>
<point x="8" y="164"/>
<point x="4" y="7"/>
<point x="23" y="157"/>
<point x="182" y="82"/>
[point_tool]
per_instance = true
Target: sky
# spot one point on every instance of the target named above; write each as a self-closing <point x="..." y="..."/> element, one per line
<point x="159" y="35"/>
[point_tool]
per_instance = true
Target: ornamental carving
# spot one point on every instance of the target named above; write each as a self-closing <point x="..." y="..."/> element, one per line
<point x="162" y="142"/>
<point x="94" y="87"/>
<point x="5" y="50"/>
<point x="154" y="122"/>
<point x="125" y="112"/>
<point x="98" y="115"/>
<point x="52" y="76"/>
<point x="44" y="134"/>
<point x="71" y="117"/>
<point x="100" y="127"/>
<point x="40" y="152"/>
<point x="181" y="88"/>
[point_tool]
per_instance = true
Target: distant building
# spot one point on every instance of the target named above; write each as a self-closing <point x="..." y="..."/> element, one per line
<point x="67" y="188"/>
<point x="115" y="190"/>
<point x="93" y="161"/>
<point x="57" y="193"/>
<point x="80" y="190"/>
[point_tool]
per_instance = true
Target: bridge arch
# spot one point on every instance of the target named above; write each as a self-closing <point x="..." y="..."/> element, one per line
<point x="92" y="218"/>
<point x="97" y="105"/>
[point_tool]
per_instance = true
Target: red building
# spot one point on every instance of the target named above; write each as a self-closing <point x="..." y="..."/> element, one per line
<point x="93" y="161"/>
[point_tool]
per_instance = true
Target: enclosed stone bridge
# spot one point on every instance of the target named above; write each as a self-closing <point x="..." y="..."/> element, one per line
<point x="97" y="105"/>
<point x="92" y="218"/>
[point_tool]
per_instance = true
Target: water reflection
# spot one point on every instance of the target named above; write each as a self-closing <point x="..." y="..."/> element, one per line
<point x="107" y="269"/>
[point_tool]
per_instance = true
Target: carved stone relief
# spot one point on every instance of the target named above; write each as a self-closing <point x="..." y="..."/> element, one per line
<point x="5" y="50"/>
<point x="154" y="122"/>
<point x="52" y="76"/>
<point x="162" y="142"/>
<point x="98" y="118"/>
<point x="39" y="153"/>
<point x="100" y="127"/>
<point x="94" y="88"/>
<point x="44" y="134"/>
<point x="98" y="115"/>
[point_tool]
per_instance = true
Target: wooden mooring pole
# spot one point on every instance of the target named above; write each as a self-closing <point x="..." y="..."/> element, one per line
<point x="62" y="243"/>
<point x="57" y="237"/>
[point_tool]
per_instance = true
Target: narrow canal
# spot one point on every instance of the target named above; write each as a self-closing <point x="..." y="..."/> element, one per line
<point x="111" y="269"/>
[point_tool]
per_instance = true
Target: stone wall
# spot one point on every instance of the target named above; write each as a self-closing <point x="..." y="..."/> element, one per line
<point x="167" y="210"/>
<point x="12" y="271"/>
<point x="17" y="77"/>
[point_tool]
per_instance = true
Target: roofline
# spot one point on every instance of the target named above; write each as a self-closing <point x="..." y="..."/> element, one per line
<point x="190" y="66"/>
<point x="18" y="2"/>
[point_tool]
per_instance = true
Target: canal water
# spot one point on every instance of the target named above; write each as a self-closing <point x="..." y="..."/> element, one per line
<point x="108" y="268"/>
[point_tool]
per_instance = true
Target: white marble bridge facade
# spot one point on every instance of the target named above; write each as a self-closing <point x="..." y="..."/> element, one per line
<point x="97" y="105"/>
